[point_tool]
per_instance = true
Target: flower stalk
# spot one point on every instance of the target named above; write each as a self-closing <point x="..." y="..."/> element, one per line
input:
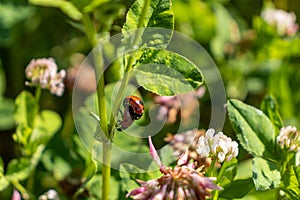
<point x="91" y="34"/>
<point x="128" y="69"/>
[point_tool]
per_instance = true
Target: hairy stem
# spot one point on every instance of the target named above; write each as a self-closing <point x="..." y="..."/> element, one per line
<point x="128" y="68"/>
<point x="99" y="68"/>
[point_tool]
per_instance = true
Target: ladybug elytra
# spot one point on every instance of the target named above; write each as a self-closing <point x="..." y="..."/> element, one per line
<point x="133" y="110"/>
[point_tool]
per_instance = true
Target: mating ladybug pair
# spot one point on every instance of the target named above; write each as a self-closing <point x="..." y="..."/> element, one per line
<point x="133" y="110"/>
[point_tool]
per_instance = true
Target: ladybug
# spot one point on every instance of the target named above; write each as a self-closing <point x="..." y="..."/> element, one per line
<point x="135" y="106"/>
<point x="133" y="110"/>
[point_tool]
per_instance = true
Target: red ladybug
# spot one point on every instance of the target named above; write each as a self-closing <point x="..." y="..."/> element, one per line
<point x="135" y="106"/>
<point x="133" y="110"/>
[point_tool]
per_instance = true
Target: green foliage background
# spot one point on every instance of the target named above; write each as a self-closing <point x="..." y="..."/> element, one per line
<point x="252" y="58"/>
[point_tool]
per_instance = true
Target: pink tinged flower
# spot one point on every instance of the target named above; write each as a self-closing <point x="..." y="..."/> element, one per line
<point x="16" y="195"/>
<point x="183" y="158"/>
<point x="179" y="183"/>
<point x="289" y="138"/>
<point x="153" y="152"/>
<point x="285" y="22"/>
<point x="43" y="72"/>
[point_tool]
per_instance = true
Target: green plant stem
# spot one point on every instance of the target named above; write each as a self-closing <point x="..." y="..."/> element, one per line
<point x="106" y="170"/>
<point x="38" y="92"/>
<point x="128" y="69"/>
<point x="210" y="173"/>
<point x="215" y="195"/>
<point x="211" y="167"/>
<point x="21" y="189"/>
<point x="99" y="68"/>
<point x="68" y="128"/>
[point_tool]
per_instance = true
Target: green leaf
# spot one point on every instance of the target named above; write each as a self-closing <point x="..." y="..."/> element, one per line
<point x="253" y="128"/>
<point x="228" y="170"/>
<point x="25" y="114"/>
<point x="142" y="15"/>
<point x="56" y="165"/>
<point x="237" y="189"/>
<point x="4" y="183"/>
<point x="47" y="124"/>
<point x="3" y="180"/>
<point x="270" y="107"/>
<point x="265" y="174"/>
<point x="26" y="109"/>
<point x="129" y="179"/>
<point x="167" y="73"/>
<point x="158" y="14"/>
<point x="66" y="6"/>
<point x="94" y="188"/>
<point x="94" y="5"/>
<point x="7" y="107"/>
<point x="89" y="172"/>
<point x="290" y="182"/>
<point x="20" y="169"/>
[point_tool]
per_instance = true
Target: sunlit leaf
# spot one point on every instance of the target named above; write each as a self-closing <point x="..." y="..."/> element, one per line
<point x="24" y="115"/>
<point x="146" y="13"/>
<point x="66" y="6"/>
<point x="290" y="182"/>
<point x="94" y="5"/>
<point x="228" y="170"/>
<point x="237" y="189"/>
<point x="253" y="128"/>
<point x="26" y="109"/>
<point x="167" y="73"/>
<point x="3" y="181"/>
<point x="265" y="174"/>
<point x="47" y="124"/>
<point x="20" y="169"/>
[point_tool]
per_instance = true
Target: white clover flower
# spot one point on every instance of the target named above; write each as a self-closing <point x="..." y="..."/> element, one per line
<point x="217" y="145"/>
<point x="289" y="138"/>
<point x="43" y="72"/>
<point x="285" y="22"/>
<point x="49" y="195"/>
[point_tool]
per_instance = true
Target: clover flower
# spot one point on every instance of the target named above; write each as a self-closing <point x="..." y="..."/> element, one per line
<point x="49" y="195"/>
<point x="180" y="182"/>
<point x="43" y="72"/>
<point x="285" y="22"/>
<point x="217" y="145"/>
<point x="188" y="140"/>
<point x="289" y="138"/>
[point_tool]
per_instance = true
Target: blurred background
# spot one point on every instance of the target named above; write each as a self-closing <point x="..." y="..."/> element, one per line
<point x="254" y="43"/>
